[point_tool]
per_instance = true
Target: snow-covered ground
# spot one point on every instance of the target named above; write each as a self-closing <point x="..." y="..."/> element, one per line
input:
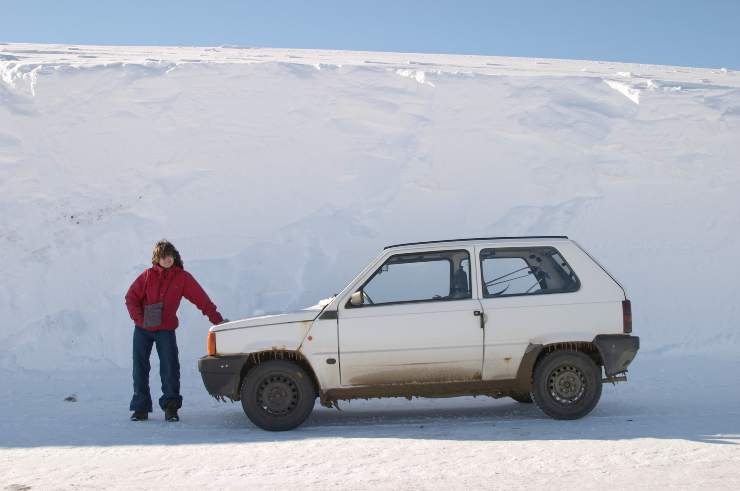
<point x="675" y="425"/>
<point x="279" y="173"/>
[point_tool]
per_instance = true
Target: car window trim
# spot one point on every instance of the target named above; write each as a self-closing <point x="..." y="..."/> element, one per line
<point x="349" y="305"/>
<point x="540" y="292"/>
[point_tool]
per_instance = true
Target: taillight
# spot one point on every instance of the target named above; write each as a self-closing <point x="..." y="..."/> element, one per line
<point x="211" y="343"/>
<point x="627" y="316"/>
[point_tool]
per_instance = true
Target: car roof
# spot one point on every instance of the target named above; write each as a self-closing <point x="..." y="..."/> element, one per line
<point x="478" y="239"/>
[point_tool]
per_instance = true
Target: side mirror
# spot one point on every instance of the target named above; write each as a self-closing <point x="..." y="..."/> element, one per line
<point x="356" y="298"/>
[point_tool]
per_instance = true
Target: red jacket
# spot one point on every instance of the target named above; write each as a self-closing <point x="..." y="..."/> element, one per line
<point x="156" y="285"/>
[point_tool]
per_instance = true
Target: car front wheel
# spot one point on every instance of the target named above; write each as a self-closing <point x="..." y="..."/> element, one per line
<point x="567" y="384"/>
<point x="277" y="395"/>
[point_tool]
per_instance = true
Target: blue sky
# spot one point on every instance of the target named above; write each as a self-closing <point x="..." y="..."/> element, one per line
<point x="677" y="32"/>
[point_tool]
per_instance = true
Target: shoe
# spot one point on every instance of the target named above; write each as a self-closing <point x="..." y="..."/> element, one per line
<point x="140" y="416"/>
<point x="170" y="412"/>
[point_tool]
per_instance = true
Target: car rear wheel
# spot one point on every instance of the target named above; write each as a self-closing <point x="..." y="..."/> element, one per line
<point x="277" y="395"/>
<point x="567" y="384"/>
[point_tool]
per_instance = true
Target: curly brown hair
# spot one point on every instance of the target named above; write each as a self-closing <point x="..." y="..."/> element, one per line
<point x="164" y="248"/>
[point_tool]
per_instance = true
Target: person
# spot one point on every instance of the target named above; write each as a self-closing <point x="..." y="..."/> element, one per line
<point x="152" y="301"/>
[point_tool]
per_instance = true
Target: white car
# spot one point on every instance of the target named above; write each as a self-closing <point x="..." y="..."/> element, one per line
<point x="532" y="318"/>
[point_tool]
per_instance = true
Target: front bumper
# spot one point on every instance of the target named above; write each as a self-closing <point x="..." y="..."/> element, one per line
<point x="222" y="375"/>
<point x="617" y="351"/>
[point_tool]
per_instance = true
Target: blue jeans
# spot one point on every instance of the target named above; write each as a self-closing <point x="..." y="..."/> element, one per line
<point x="169" y="369"/>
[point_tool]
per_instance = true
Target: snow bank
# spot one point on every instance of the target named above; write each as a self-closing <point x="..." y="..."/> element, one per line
<point x="279" y="173"/>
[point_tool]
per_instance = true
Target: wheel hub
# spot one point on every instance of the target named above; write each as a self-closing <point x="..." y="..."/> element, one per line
<point x="567" y="384"/>
<point x="277" y="394"/>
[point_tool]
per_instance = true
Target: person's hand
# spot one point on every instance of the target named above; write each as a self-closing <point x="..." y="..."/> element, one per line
<point x="224" y="321"/>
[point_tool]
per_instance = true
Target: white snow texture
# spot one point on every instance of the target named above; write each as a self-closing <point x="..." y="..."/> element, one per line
<point x="278" y="174"/>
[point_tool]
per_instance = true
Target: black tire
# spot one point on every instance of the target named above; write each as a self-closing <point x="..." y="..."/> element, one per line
<point x="277" y="395"/>
<point x="523" y="397"/>
<point x="567" y="384"/>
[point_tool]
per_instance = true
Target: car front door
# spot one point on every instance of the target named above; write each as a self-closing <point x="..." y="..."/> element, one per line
<point x="417" y="322"/>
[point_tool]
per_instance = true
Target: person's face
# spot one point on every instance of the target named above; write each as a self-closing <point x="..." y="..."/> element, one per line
<point x="167" y="262"/>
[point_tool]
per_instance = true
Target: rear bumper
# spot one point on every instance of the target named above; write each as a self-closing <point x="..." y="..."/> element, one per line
<point x="222" y="375"/>
<point x="617" y="351"/>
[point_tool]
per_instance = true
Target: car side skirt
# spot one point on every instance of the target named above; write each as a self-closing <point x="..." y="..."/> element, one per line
<point x="491" y="388"/>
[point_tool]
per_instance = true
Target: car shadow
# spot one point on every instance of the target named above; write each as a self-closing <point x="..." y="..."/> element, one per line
<point x="701" y="406"/>
<point x="479" y="420"/>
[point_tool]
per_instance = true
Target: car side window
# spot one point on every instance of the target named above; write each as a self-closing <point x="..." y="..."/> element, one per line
<point x="419" y="277"/>
<point x="525" y="271"/>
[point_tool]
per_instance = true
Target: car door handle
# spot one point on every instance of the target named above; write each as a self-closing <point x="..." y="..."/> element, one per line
<point x="482" y="316"/>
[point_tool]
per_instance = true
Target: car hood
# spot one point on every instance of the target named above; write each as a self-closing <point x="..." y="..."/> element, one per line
<point x="266" y="320"/>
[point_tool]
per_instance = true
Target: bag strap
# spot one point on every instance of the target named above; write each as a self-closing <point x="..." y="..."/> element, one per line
<point x="161" y="297"/>
<point x="146" y="285"/>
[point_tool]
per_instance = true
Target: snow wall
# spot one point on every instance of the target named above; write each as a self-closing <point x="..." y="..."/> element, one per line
<point x="279" y="173"/>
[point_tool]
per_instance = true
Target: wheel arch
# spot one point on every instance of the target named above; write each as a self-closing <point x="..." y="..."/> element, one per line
<point x="254" y="359"/>
<point x="587" y="347"/>
<point x="535" y="353"/>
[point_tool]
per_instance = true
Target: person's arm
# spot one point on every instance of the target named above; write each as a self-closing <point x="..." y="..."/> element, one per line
<point x="135" y="300"/>
<point x="197" y="296"/>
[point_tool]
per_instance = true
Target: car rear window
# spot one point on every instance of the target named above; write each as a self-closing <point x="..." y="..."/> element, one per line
<point x="510" y="271"/>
